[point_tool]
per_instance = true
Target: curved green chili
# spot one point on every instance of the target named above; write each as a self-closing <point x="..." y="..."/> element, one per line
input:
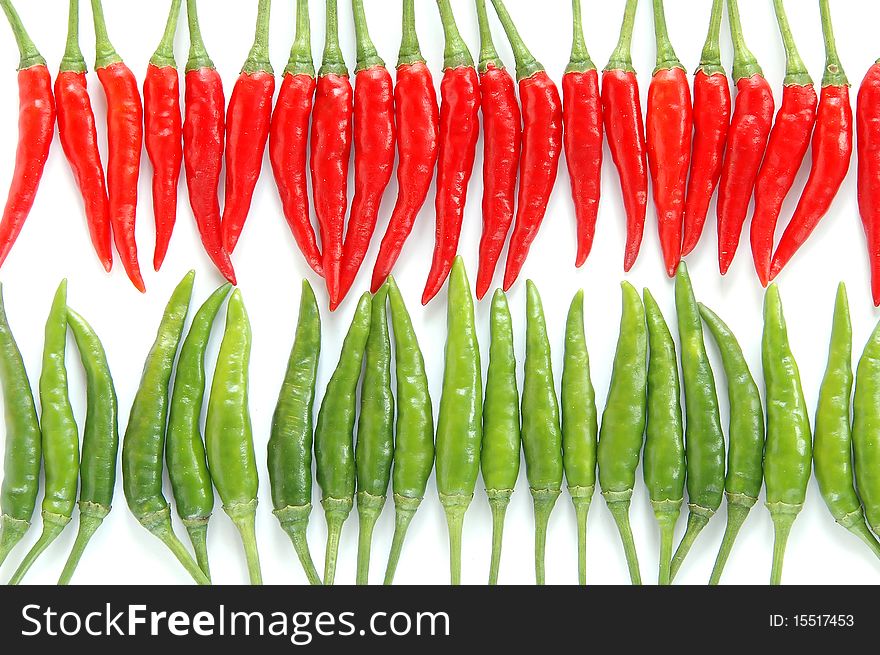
<point x="290" y="443"/>
<point x="229" y="438"/>
<point x="541" y="429"/>
<point x="580" y="425"/>
<point x="624" y="420"/>
<point x="414" y="438"/>
<point x="334" y="450"/>
<point x="460" y="425"/>
<point x="500" y="451"/>
<point x="23" y="450"/>
<point x="374" y="451"/>
<point x="704" y="437"/>
<point x="664" y="466"/>
<point x="866" y="425"/>
<point x="184" y="449"/>
<point x="745" y="457"/>
<point x="788" y="457"/>
<point x="143" y="444"/>
<point x="60" y="435"/>
<point x="100" y="440"/>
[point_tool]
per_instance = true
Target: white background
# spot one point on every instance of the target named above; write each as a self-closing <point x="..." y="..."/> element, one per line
<point x="55" y="244"/>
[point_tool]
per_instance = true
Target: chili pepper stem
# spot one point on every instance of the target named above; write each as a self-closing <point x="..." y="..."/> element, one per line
<point x="783" y="516"/>
<point x="336" y="512"/>
<point x="294" y="521"/>
<point x="164" y="55"/>
<point x="545" y="501"/>
<point x="697" y="520"/>
<point x="404" y="511"/>
<point x="488" y="55"/>
<point x="105" y="53"/>
<point x="526" y="64"/>
<point x="620" y="511"/>
<point x="795" y="69"/>
<point x="736" y="515"/>
<point x="197" y="529"/>
<point x="244" y="516"/>
<point x="621" y="58"/>
<point x="30" y="56"/>
<point x="301" y="62"/>
<point x="159" y="525"/>
<point x="410" y="50"/>
<point x="744" y="62"/>
<point x="580" y="61"/>
<point x="198" y="54"/>
<point x="73" y="60"/>
<point x="369" y="510"/>
<point x="710" y="59"/>
<point x="333" y="61"/>
<point x="498" y="502"/>
<point x="456" y="53"/>
<point x="666" y="57"/>
<point x="834" y="73"/>
<point x="258" y="58"/>
<point x="666" y="513"/>
<point x="581" y="498"/>
<point x="12" y="531"/>
<point x="455" y="508"/>
<point x="91" y="516"/>
<point x="53" y="524"/>
<point x="860" y="529"/>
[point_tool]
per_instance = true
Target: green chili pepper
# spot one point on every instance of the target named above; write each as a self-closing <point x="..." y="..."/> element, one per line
<point x="788" y="458"/>
<point x="580" y="425"/>
<point x="229" y="439"/>
<point x="866" y="425"/>
<point x="375" y="436"/>
<point x="623" y="421"/>
<point x="835" y="443"/>
<point x="100" y="440"/>
<point x="414" y="439"/>
<point x="290" y="444"/>
<point x="144" y="441"/>
<point x="334" y="432"/>
<point x="500" y="453"/>
<point x="459" y="426"/>
<point x="185" y="450"/>
<point x="664" y="466"/>
<point x="60" y="435"/>
<point x="745" y="458"/>
<point x="541" y="429"/>
<point x="21" y="465"/>
<point x="704" y="437"/>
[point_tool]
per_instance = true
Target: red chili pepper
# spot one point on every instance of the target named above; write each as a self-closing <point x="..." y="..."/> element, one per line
<point x="747" y="141"/>
<point x="868" y="120"/>
<point x="248" y="119"/>
<point x="163" y="134"/>
<point x="502" y="137"/>
<point x="36" y="126"/>
<point x="583" y="136"/>
<point x="832" y="152"/>
<point x="459" y="132"/>
<point x="670" y="126"/>
<point x="541" y="147"/>
<point x="786" y="149"/>
<point x="418" y="123"/>
<point x="79" y="140"/>
<point x="203" y="139"/>
<point x="331" y="150"/>
<point x="289" y="138"/>
<point x="622" y="111"/>
<point x="712" y="105"/>
<point x="374" y="139"/>
<point x="125" y="140"/>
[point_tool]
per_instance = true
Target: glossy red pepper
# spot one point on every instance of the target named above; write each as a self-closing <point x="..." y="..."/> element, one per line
<point x="203" y="140"/>
<point x="248" y="119"/>
<point x="417" y="116"/>
<point x="832" y="152"/>
<point x="331" y="151"/>
<point x="541" y="147"/>
<point x="583" y="135"/>
<point x="163" y="133"/>
<point x="125" y="140"/>
<point x="786" y="149"/>
<point x="746" y="143"/>
<point x="289" y="139"/>
<point x="374" y="139"/>
<point x="79" y="140"/>
<point x="625" y="128"/>
<point x="712" y="106"/>
<point x="670" y="127"/>
<point x="459" y="132"/>
<point x="868" y="121"/>
<point x="502" y="138"/>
